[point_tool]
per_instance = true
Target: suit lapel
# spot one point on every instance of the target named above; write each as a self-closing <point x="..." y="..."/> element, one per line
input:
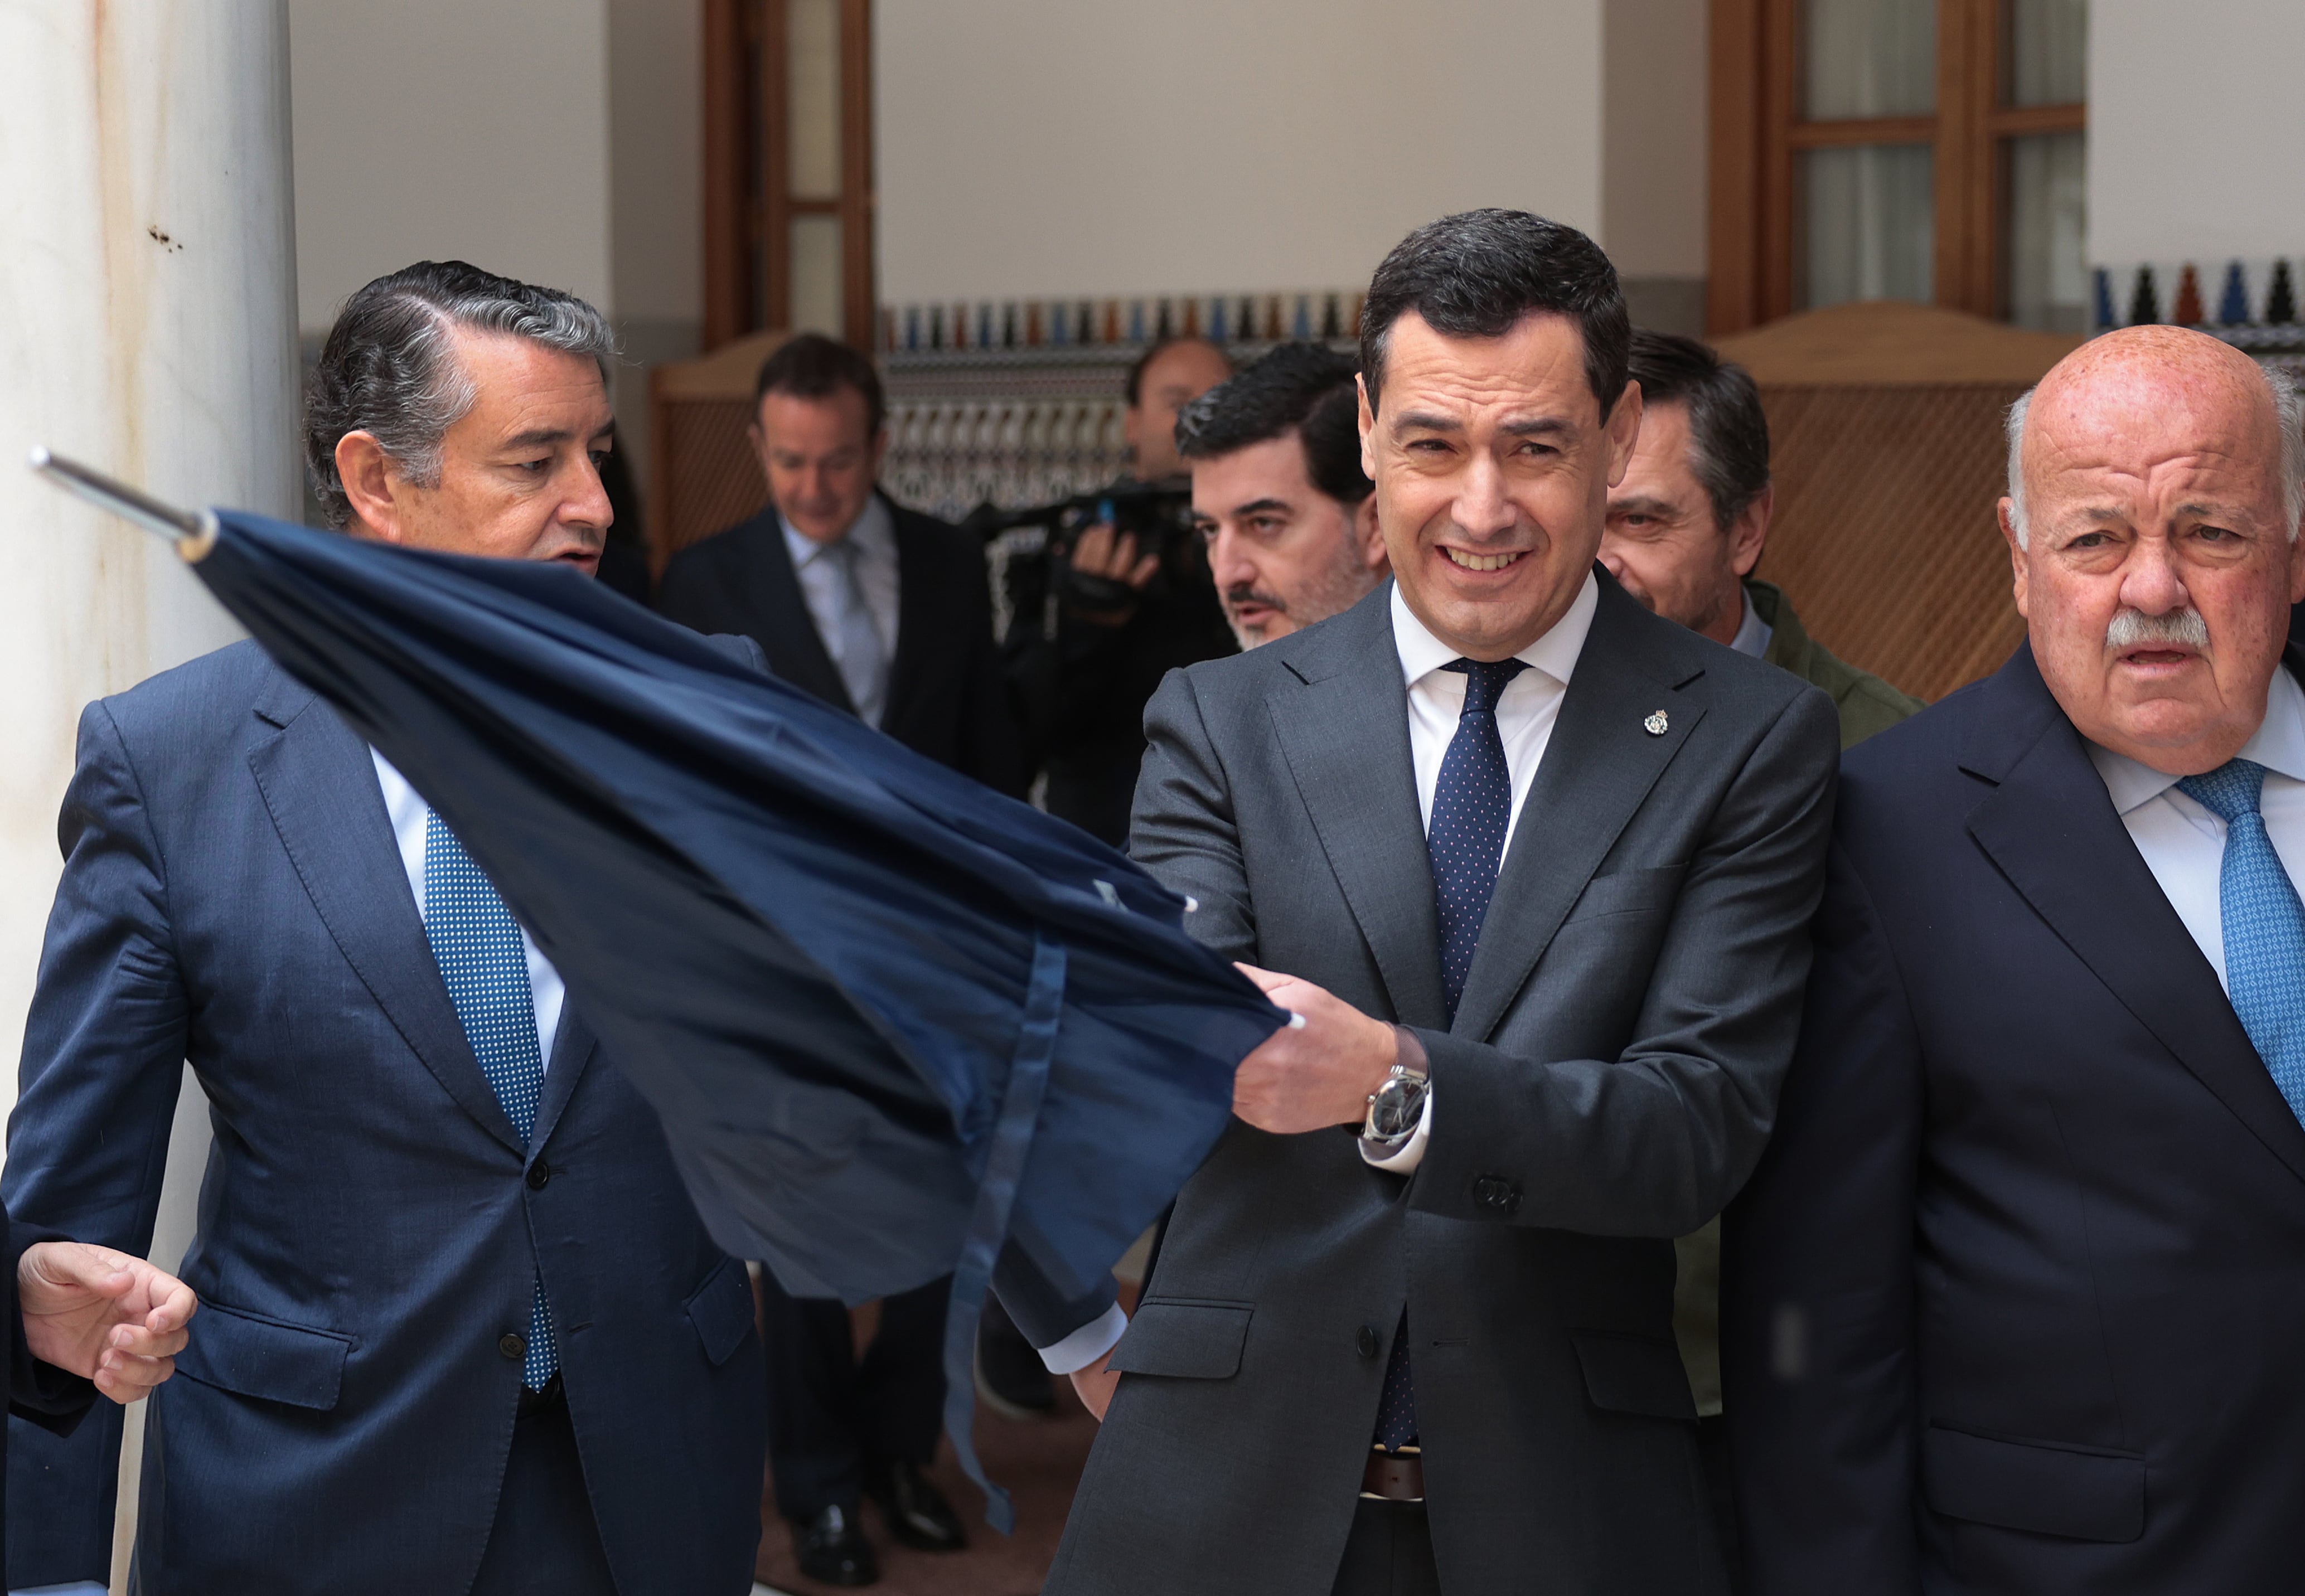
<point x="2051" y="828"/>
<point x="320" y="788"/>
<point x="572" y="1051"/>
<point x="1598" y="769"/>
<point x="788" y="634"/>
<point x="1345" y="733"/>
<point x="918" y="644"/>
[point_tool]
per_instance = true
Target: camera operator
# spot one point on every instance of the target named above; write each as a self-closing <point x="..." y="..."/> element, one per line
<point x="1130" y="606"/>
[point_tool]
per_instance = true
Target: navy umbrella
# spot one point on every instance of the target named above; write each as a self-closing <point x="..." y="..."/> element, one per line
<point x="896" y="1024"/>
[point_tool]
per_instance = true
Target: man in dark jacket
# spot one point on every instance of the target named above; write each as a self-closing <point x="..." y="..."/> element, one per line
<point x="876" y="608"/>
<point x="462" y="1329"/>
<point x="2012" y="1304"/>
<point x="888" y="615"/>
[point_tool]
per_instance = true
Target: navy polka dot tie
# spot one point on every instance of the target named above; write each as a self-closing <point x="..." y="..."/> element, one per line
<point x="477" y="944"/>
<point x="1472" y="804"/>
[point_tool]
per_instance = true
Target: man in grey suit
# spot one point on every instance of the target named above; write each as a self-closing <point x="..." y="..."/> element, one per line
<point x="1539" y="865"/>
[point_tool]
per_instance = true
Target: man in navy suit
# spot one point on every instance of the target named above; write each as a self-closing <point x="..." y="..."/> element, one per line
<point x="462" y="1330"/>
<point x="886" y="613"/>
<point x="2014" y="1303"/>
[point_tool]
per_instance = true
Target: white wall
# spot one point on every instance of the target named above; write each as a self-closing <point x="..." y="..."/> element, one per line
<point x="432" y="129"/>
<point x="1096" y="147"/>
<point x="2196" y="133"/>
<point x="1654" y="138"/>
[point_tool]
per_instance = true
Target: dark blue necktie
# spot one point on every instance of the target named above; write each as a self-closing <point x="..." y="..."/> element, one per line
<point x="477" y="944"/>
<point x="1471" y="806"/>
<point x="2264" y="925"/>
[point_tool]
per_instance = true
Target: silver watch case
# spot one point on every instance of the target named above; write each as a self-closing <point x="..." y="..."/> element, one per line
<point x="1396" y="1107"/>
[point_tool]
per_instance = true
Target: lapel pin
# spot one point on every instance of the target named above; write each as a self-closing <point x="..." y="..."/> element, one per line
<point x="1654" y="725"/>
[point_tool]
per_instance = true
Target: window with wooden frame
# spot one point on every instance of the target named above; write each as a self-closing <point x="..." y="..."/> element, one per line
<point x="1910" y="149"/>
<point x="789" y="168"/>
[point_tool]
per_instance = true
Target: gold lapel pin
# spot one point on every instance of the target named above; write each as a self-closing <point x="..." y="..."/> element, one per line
<point x="1654" y="725"/>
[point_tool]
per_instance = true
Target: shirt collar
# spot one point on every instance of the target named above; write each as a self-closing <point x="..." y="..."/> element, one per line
<point x="874" y="534"/>
<point x="1753" y="633"/>
<point x="1554" y="653"/>
<point x="2278" y="744"/>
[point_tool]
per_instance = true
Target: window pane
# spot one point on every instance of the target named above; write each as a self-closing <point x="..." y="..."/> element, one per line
<point x="812" y="98"/>
<point x="2048" y="53"/>
<point x="2048" y="233"/>
<point x="1868" y="216"/>
<point x="1870" y="58"/>
<point x="816" y="299"/>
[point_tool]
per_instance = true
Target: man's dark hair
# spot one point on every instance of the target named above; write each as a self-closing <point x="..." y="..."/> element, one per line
<point x="389" y="366"/>
<point x="1728" y="431"/>
<point x="812" y="366"/>
<point x="1475" y="274"/>
<point x="1133" y="390"/>
<point x="1303" y="388"/>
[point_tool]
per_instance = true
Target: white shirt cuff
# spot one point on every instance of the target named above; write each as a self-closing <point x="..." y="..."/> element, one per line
<point x="1411" y="1153"/>
<point x="1087" y="1343"/>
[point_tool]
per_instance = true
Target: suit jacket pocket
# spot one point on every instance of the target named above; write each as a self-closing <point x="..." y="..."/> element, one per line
<point x="2023" y="1485"/>
<point x="722" y="1310"/>
<point x="254" y="1356"/>
<point x="1186" y="1340"/>
<point x="1628" y="892"/>
<point x="1632" y="1374"/>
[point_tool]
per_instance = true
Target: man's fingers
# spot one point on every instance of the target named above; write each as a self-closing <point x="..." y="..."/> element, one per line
<point x="134" y="1341"/>
<point x="134" y="1381"/>
<point x="176" y="1306"/>
<point x="1265" y="979"/>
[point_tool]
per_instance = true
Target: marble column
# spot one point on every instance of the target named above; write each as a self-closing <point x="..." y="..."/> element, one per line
<point x="148" y="327"/>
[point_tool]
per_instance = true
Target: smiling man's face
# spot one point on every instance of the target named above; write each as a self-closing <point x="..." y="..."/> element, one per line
<point x="1492" y="465"/>
<point x="2158" y="568"/>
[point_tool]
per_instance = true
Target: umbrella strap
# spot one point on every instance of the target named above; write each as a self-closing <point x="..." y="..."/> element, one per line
<point x="988" y="1226"/>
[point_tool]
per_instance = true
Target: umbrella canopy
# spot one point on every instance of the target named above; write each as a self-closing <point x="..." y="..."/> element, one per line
<point x="892" y="1021"/>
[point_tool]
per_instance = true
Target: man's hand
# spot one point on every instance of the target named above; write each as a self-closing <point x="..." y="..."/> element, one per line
<point x="1102" y="554"/>
<point x="1320" y="1073"/>
<point x="102" y="1315"/>
<point x="1094" y="1384"/>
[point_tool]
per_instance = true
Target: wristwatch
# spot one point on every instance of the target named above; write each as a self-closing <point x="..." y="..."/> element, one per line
<point x="1396" y="1108"/>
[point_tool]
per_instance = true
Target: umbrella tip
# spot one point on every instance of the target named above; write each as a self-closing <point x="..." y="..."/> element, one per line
<point x="193" y="535"/>
<point x="38" y="458"/>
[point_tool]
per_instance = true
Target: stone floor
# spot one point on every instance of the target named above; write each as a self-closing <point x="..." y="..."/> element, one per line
<point x="1038" y="1462"/>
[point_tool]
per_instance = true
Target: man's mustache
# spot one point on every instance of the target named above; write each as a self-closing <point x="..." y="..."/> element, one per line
<point x="1242" y="593"/>
<point x="2133" y="628"/>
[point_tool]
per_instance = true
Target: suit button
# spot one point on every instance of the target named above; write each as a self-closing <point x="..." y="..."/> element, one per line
<point x="514" y="1346"/>
<point x="1369" y="1342"/>
<point x="1494" y="1192"/>
<point x="537" y="1174"/>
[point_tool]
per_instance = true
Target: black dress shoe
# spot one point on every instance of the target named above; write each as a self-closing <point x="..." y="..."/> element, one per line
<point x="833" y="1550"/>
<point x="1010" y="1378"/>
<point x="918" y="1514"/>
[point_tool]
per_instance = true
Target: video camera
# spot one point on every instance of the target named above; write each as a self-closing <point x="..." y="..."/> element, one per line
<point x="1158" y="515"/>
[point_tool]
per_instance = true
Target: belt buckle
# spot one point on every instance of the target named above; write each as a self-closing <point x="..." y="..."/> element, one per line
<point x="1394" y="1476"/>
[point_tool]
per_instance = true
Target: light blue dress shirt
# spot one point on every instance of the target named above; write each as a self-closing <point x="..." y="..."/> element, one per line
<point x="822" y="589"/>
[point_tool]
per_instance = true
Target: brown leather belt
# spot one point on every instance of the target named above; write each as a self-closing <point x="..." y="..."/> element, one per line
<point x="1394" y="1476"/>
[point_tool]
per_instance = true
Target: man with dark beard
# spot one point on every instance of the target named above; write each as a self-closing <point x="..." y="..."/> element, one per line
<point x="1278" y="493"/>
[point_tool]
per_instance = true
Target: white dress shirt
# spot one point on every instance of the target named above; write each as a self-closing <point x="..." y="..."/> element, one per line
<point x="1753" y="633"/>
<point x="409" y="813"/>
<point x="2183" y="845"/>
<point x="874" y="537"/>
<point x="1527" y="710"/>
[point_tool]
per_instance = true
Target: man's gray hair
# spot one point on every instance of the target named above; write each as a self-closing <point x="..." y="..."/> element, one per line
<point x="390" y="367"/>
<point x="2288" y="411"/>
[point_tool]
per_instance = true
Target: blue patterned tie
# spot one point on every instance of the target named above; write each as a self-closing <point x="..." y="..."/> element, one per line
<point x="477" y="944"/>
<point x="1472" y="805"/>
<point x="2264" y="925"/>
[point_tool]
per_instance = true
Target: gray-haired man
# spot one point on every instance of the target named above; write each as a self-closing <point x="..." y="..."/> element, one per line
<point x="461" y="1328"/>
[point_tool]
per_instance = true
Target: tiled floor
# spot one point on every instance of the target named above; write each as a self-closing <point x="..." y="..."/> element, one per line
<point x="1038" y="1462"/>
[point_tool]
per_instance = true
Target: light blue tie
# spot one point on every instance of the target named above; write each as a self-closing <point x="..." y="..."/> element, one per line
<point x="2264" y="925"/>
<point x="862" y="660"/>
<point x="477" y="944"/>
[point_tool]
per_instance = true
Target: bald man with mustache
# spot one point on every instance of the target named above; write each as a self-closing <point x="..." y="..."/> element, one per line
<point x="2014" y="1304"/>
